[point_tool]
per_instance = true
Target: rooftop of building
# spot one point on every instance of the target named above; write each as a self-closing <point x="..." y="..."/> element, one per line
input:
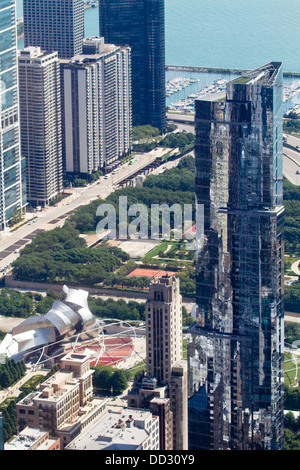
<point x="59" y="384"/>
<point x="35" y="52"/>
<point x="165" y="279"/>
<point x="77" y="358"/>
<point x="119" y="429"/>
<point x="264" y="75"/>
<point x="160" y="401"/>
<point x="101" y="50"/>
<point x="85" y="413"/>
<point x="29" y="437"/>
<point x="52" y="390"/>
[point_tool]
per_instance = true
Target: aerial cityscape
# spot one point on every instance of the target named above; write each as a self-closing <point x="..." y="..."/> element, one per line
<point x="149" y="230"/>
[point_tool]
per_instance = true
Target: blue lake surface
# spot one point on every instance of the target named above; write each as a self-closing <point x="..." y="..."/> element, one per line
<point x="239" y="34"/>
<point x="225" y="33"/>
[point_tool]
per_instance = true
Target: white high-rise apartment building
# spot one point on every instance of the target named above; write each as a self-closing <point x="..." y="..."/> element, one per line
<point x="96" y="106"/>
<point x="40" y="123"/>
<point x="12" y="167"/>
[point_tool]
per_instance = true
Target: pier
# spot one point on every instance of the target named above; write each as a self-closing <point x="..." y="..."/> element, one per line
<point x="185" y="68"/>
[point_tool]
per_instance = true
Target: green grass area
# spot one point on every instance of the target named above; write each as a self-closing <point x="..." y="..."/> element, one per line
<point x="32" y="383"/>
<point x="137" y="369"/>
<point x="290" y="369"/>
<point x="243" y="81"/>
<point x="170" y="251"/>
<point x="184" y="349"/>
<point x="6" y="402"/>
<point x="156" y="251"/>
<point x="288" y="261"/>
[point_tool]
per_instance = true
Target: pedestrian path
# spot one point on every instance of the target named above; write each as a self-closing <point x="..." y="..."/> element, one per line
<point x="295" y="267"/>
<point x="14" y="390"/>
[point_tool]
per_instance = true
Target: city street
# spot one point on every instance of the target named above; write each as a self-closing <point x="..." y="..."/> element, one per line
<point x="291" y="160"/>
<point x="55" y="215"/>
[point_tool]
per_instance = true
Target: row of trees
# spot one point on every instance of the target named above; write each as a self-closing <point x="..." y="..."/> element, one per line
<point x="174" y="186"/>
<point x="8" y="407"/>
<point x="291" y="332"/>
<point x="23" y="304"/>
<point x="175" y="179"/>
<point x="9" y="414"/>
<point x="16" y="304"/>
<point x="119" y="309"/>
<point x="291" y="398"/>
<point x="291" y="123"/>
<point x="291" y="432"/>
<point x="291" y="200"/>
<point x="11" y="372"/>
<point x="180" y="140"/>
<point x="144" y="132"/>
<point x="292" y="298"/>
<point x="134" y="282"/>
<point x="60" y="255"/>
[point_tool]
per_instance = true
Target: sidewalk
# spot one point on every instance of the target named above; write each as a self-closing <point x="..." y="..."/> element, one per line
<point x="14" y="390"/>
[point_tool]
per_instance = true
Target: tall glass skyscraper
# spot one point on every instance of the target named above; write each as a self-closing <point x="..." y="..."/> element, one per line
<point x="141" y="25"/>
<point x="12" y="168"/>
<point x="236" y="351"/>
<point x="54" y="25"/>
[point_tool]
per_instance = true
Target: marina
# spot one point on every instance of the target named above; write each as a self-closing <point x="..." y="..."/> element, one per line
<point x="185" y="104"/>
<point x="179" y="83"/>
<point x="291" y="91"/>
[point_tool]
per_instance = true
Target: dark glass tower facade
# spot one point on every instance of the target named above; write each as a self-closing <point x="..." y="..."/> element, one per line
<point x="236" y="348"/>
<point x="141" y="25"/>
<point x="54" y="25"/>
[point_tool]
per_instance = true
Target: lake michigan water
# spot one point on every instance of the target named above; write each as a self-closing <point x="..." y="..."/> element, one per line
<point x="241" y="34"/>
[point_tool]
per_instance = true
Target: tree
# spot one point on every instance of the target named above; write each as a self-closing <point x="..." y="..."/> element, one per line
<point x="6" y="379"/>
<point x="118" y="381"/>
<point x="101" y="377"/>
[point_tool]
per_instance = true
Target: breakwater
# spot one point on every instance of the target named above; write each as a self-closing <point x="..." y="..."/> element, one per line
<point x="185" y="68"/>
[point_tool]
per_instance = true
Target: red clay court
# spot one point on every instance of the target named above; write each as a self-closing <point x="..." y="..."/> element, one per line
<point x="144" y="272"/>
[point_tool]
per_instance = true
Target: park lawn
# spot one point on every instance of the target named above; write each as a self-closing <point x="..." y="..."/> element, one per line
<point x="290" y="369"/>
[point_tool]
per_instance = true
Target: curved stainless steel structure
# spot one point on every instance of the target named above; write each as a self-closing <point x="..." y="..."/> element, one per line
<point x="64" y="318"/>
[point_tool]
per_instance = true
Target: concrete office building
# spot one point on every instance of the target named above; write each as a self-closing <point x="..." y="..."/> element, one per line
<point x="166" y="370"/>
<point x="40" y="123"/>
<point x="161" y="407"/>
<point x="120" y="429"/>
<point x="64" y="404"/>
<point x="33" y="439"/>
<point x="236" y="353"/>
<point x="54" y="25"/>
<point x="141" y="25"/>
<point x="164" y="350"/>
<point x="96" y="103"/>
<point x="12" y="166"/>
<point x="163" y="328"/>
